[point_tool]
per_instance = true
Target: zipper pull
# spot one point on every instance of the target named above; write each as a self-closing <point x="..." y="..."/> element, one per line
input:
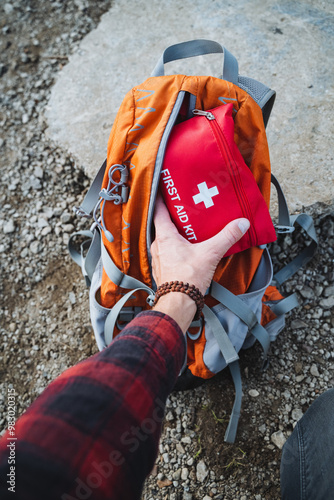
<point x="207" y="114"/>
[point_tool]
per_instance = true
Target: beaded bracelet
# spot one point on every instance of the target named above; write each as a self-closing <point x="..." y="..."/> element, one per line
<point x="179" y="286"/>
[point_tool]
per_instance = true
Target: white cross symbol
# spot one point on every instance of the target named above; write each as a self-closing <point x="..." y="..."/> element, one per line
<point x="205" y="194"/>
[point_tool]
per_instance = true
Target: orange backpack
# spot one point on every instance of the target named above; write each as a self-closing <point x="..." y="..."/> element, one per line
<point x="242" y="305"/>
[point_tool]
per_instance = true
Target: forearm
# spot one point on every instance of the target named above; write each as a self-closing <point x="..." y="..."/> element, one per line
<point x="97" y="426"/>
<point x="178" y="306"/>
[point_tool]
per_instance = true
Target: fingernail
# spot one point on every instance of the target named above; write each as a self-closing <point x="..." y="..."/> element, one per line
<point x="243" y="225"/>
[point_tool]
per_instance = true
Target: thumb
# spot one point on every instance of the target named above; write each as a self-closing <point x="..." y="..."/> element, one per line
<point x="219" y="244"/>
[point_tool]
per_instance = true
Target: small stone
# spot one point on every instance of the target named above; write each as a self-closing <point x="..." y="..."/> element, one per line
<point x="35" y="247"/>
<point x="186" y="440"/>
<point x="201" y="471"/>
<point x="298" y="367"/>
<point x="299" y="378"/>
<point x="329" y="291"/>
<point x="177" y="475"/>
<point x="207" y="497"/>
<point x="187" y="496"/>
<point x="65" y="218"/>
<point x="25" y="118"/>
<point x="184" y="474"/>
<point x="327" y="303"/>
<point x="314" y="371"/>
<point x="72" y="298"/>
<point x="42" y="222"/>
<point x="169" y="416"/>
<point x="165" y="458"/>
<point x="180" y="448"/>
<point x="68" y="228"/>
<point x="8" y="8"/>
<point x="38" y="172"/>
<point x="296" y="414"/>
<point x="307" y="292"/>
<point x="164" y="483"/>
<point x="46" y="230"/>
<point x="262" y="428"/>
<point x="253" y="393"/>
<point x="278" y="439"/>
<point x="9" y="227"/>
<point x="297" y="323"/>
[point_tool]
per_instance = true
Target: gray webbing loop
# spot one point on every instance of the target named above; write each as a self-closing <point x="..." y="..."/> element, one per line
<point x="306" y="222"/>
<point x="231" y="430"/>
<point x="228" y="352"/>
<point x="115" y="311"/>
<point x="198" y="48"/>
<point x="245" y="313"/>
<point x="117" y="276"/>
<point x="284" y="222"/>
<point x="79" y="257"/>
<point x="285" y="305"/>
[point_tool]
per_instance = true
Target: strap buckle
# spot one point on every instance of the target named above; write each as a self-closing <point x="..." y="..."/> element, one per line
<point x="283" y="229"/>
<point x="80" y="212"/>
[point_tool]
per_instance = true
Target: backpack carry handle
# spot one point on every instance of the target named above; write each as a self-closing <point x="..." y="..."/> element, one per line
<point x="199" y="48"/>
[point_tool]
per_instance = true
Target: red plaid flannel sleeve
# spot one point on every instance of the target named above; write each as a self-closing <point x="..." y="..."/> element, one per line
<point x="93" y="433"/>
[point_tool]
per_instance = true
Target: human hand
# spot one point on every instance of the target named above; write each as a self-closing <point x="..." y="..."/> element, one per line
<point x="175" y="258"/>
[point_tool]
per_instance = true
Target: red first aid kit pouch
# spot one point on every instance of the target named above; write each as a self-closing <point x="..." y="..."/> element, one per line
<point x="206" y="183"/>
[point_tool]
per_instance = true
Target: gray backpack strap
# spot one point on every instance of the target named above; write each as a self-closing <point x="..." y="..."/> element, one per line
<point x="115" y="311"/>
<point x="117" y="276"/>
<point x="245" y="313"/>
<point x="231" y="358"/>
<point x="306" y="222"/>
<point x="284" y="222"/>
<point x="285" y="305"/>
<point x="86" y="259"/>
<point x="198" y="48"/>
<point x="92" y="195"/>
<point x="229" y="353"/>
<point x="232" y="427"/>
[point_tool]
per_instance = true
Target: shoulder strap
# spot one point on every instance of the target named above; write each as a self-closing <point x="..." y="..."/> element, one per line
<point x="286" y="224"/>
<point x="306" y="222"/>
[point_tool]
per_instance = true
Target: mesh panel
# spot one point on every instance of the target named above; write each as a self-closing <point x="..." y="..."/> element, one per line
<point x="256" y="89"/>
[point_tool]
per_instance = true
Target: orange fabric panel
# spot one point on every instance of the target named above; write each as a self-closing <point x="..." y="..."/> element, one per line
<point x="195" y="350"/>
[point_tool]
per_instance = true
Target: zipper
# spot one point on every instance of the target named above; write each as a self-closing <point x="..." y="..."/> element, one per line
<point x="157" y="169"/>
<point x="234" y="171"/>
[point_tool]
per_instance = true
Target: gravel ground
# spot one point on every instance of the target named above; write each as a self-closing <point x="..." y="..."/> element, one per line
<point x="45" y="323"/>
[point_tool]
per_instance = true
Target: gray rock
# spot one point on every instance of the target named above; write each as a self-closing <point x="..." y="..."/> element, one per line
<point x="278" y="439"/>
<point x="314" y="371"/>
<point x="297" y="323"/>
<point x="92" y="103"/>
<point x="201" y="471"/>
<point x="329" y="291"/>
<point x="296" y="414"/>
<point x="327" y="303"/>
<point x="184" y="474"/>
<point x="253" y="393"/>
<point x="307" y="292"/>
<point x="9" y="227"/>
<point x="38" y="172"/>
<point x="36" y="247"/>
